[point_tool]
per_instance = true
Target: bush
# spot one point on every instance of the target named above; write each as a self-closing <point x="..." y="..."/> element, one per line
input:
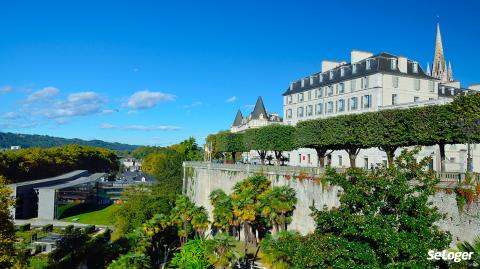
<point x="24" y="227"/>
<point x="47" y="228"/>
<point x="89" y="229"/>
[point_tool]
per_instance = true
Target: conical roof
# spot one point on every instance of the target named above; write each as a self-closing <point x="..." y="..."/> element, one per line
<point x="259" y="111"/>
<point x="238" y="119"/>
<point x="439" y="65"/>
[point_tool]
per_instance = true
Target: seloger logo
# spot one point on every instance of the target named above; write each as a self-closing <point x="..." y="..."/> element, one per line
<point x="448" y="256"/>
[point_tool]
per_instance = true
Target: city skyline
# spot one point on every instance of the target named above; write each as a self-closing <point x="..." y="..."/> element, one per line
<point x="176" y="72"/>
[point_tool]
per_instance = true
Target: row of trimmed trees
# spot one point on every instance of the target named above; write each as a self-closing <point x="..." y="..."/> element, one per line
<point x="454" y="123"/>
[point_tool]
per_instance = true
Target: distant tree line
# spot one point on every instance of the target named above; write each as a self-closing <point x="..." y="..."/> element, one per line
<point x="388" y="130"/>
<point x="36" y="163"/>
<point x="44" y="141"/>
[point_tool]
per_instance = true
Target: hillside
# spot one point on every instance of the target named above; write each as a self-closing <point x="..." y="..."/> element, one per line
<point x="45" y="141"/>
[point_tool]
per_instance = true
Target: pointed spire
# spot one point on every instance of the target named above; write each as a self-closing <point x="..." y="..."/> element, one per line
<point x="259" y="111"/>
<point x="428" y="69"/>
<point x="450" y="72"/>
<point x="439" y="65"/>
<point x="238" y="119"/>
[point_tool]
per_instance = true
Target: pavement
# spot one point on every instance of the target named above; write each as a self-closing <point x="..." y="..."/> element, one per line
<point x="35" y="222"/>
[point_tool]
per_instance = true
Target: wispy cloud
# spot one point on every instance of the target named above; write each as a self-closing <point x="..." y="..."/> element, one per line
<point x="5" y="89"/>
<point x="9" y="115"/>
<point x="231" y="99"/>
<point x="192" y="105"/>
<point x="43" y="94"/>
<point x="147" y="99"/>
<point x="249" y="107"/>
<point x="146" y="128"/>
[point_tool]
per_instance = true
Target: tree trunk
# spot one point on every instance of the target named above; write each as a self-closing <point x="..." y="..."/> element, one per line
<point x="234" y="157"/>
<point x="321" y="153"/>
<point x="278" y="156"/>
<point x="442" y="156"/>
<point x="390" y="150"/>
<point x="352" y="155"/>
<point x="262" y="154"/>
<point x="284" y="222"/>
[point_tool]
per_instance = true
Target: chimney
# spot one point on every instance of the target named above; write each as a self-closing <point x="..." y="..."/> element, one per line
<point x="402" y="64"/>
<point x="329" y="65"/>
<point x="358" y="55"/>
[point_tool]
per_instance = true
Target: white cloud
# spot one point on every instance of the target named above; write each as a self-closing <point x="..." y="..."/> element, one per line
<point x="146" y="99"/>
<point x="131" y="112"/>
<point x="43" y="94"/>
<point x="77" y="104"/>
<point x="5" y="89"/>
<point x="146" y="128"/>
<point x="231" y="99"/>
<point x="107" y="111"/>
<point x="9" y="115"/>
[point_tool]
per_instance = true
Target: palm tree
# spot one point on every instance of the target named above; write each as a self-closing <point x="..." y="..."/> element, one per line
<point x="181" y="215"/>
<point x="221" y="250"/>
<point x="200" y="220"/>
<point x="472" y="247"/>
<point x="282" y="201"/>
<point x="223" y="217"/>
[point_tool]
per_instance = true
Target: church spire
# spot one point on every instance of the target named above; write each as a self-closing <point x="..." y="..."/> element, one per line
<point x="439" y="66"/>
<point x="428" y="69"/>
<point x="450" y="72"/>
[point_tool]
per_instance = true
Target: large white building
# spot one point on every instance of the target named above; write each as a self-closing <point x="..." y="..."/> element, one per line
<point x="372" y="83"/>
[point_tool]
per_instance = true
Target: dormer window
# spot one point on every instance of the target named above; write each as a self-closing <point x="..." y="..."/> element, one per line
<point x="331" y="74"/>
<point x="303" y="83"/>
<point x="368" y="65"/>
<point x="311" y="80"/>
<point x="393" y="64"/>
<point x="342" y="72"/>
<point x="320" y="78"/>
<point x="354" y="69"/>
<point x="415" y="67"/>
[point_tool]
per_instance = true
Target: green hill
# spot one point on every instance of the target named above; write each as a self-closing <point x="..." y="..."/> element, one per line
<point x="44" y="141"/>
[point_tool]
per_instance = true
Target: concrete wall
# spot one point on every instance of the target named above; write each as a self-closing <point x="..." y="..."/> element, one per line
<point x="46" y="204"/>
<point x="201" y="179"/>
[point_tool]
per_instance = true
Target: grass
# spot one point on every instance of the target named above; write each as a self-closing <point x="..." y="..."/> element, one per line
<point x="99" y="216"/>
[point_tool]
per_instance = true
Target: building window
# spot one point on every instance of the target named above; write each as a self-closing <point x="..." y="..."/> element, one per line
<point x="353" y="103"/>
<point x="341" y="88"/>
<point x="394" y="99"/>
<point x="319" y="108"/>
<point x="299" y="158"/>
<point x="331" y="74"/>
<point x="308" y="158"/>
<point x="320" y="77"/>
<point x="309" y="110"/>
<point x="340" y="160"/>
<point x="417" y="84"/>
<point x="311" y="80"/>
<point x="354" y="68"/>
<point x="395" y="81"/>
<point x="300" y="97"/>
<point x="329" y="107"/>
<point x="364" y="82"/>
<point x="302" y="83"/>
<point x="309" y="95"/>
<point x="300" y="112"/>
<point x="320" y="92"/>
<point x="431" y="86"/>
<point x="289" y="113"/>
<point x="289" y="99"/>
<point x="416" y="99"/>
<point x="365" y="163"/>
<point x="393" y="64"/>
<point x="415" y="67"/>
<point x="330" y="90"/>
<point x="368" y="65"/>
<point x="367" y="101"/>
<point x="342" y="72"/>
<point x="353" y="85"/>
<point x="341" y="105"/>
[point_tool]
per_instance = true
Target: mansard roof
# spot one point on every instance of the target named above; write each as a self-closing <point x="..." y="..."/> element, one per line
<point x="259" y="110"/>
<point x="238" y="119"/>
<point x="380" y="63"/>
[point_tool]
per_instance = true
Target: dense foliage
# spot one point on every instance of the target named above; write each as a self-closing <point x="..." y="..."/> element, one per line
<point x="276" y="138"/>
<point x="457" y="122"/>
<point x="231" y="143"/>
<point x="385" y="219"/>
<point x="7" y="230"/>
<point x="44" y="141"/>
<point x="35" y="163"/>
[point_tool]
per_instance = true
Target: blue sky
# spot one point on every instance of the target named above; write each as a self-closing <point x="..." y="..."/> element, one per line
<point x="157" y="72"/>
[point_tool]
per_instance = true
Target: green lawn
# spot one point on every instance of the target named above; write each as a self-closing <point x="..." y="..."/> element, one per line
<point x="97" y="217"/>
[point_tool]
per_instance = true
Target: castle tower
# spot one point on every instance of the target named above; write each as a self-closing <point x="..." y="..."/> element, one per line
<point x="439" y="66"/>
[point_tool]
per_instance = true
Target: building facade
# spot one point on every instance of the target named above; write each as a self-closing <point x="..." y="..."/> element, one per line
<point x="372" y="83"/>
<point x="258" y="118"/>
